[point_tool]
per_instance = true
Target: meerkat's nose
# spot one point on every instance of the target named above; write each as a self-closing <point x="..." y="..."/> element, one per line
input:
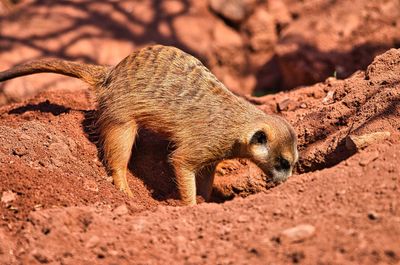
<point x="282" y="164"/>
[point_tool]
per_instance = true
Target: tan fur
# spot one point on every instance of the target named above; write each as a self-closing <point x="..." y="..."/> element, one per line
<point x="168" y="91"/>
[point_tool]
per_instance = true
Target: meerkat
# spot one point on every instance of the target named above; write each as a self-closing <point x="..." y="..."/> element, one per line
<point x="168" y="91"/>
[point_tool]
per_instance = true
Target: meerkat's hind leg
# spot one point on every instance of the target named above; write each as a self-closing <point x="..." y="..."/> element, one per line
<point x="117" y="141"/>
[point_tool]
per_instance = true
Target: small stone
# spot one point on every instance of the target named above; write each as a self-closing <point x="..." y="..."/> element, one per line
<point x="298" y="233"/>
<point x="317" y="94"/>
<point x="226" y="37"/>
<point x="232" y="10"/>
<point x="90" y="185"/>
<point x="277" y="212"/>
<point x="357" y="142"/>
<point x="367" y="158"/>
<point x="390" y="253"/>
<point x="37" y="207"/>
<point x="19" y="151"/>
<point x="340" y="193"/>
<point x="121" y="210"/>
<point x="113" y="252"/>
<point x="262" y="30"/>
<point x="328" y="99"/>
<point x="8" y="196"/>
<point x="13" y="208"/>
<point x="285" y="105"/>
<point x="373" y="215"/>
<point x="40" y="256"/>
<point x="93" y="242"/>
<point x="60" y="150"/>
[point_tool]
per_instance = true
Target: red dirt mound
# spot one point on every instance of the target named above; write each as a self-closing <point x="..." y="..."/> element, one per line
<point x="342" y="207"/>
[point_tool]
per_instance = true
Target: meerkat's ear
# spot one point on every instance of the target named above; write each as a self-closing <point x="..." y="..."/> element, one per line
<point x="259" y="137"/>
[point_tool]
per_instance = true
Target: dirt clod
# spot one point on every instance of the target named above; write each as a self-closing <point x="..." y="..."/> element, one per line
<point x="354" y="142"/>
<point x="298" y="233"/>
<point x="8" y="196"/>
<point x="121" y="210"/>
<point x="373" y="215"/>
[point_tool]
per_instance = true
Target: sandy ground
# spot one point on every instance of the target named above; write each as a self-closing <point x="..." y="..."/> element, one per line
<point x="58" y="206"/>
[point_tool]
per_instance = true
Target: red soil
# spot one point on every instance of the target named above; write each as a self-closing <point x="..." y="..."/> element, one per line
<point x="59" y="206"/>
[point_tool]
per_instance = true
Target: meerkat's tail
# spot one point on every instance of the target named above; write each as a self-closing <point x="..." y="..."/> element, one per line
<point x="91" y="74"/>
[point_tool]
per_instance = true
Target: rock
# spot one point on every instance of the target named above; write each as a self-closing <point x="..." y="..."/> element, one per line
<point x="373" y="215"/>
<point x="191" y="34"/>
<point x="385" y="67"/>
<point x="60" y="149"/>
<point x="90" y="184"/>
<point x="367" y="158"/>
<point x="224" y="36"/>
<point x="287" y="104"/>
<point x="298" y="233"/>
<point x="8" y="196"/>
<point x="40" y="256"/>
<point x="355" y="142"/>
<point x="303" y="105"/>
<point x="121" y="210"/>
<point x="233" y="10"/>
<point x="93" y="242"/>
<point x="306" y="46"/>
<point x="280" y="12"/>
<point x="7" y="248"/>
<point x="261" y="29"/>
<point x="20" y="151"/>
<point x="328" y="99"/>
<point x="227" y="50"/>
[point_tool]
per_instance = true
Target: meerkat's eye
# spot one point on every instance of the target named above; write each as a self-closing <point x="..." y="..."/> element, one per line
<point x="259" y="138"/>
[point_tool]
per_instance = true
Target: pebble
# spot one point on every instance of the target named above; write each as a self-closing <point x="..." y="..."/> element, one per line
<point x="328" y="99"/>
<point x="93" y="242"/>
<point x="90" y="185"/>
<point x="357" y="142"/>
<point x="298" y="233"/>
<point x="373" y="215"/>
<point x="121" y="210"/>
<point x="8" y="196"/>
<point x="232" y="10"/>
<point x="287" y="105"/>
<point x="303" y="105"/>
<point x="367" y="158"/>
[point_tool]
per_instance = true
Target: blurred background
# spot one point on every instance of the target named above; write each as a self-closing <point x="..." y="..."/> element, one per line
<point x="253" y="46"/>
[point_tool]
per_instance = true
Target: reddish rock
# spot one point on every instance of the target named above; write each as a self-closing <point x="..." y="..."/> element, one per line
<point x="347" y="39"/>
<point x="261" y="29"/>
<point x="232" y="10"/>
<point x="298" y="233"/>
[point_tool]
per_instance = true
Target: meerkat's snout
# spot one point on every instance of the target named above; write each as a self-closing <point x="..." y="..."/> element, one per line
<point x="273" y="148"/>
<point x="282" y="169"/>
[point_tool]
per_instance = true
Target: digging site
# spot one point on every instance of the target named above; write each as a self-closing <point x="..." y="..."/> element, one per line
<point x="330" y="68"/>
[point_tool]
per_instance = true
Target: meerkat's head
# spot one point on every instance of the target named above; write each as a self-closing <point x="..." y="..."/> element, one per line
<point x="272" y="145"/>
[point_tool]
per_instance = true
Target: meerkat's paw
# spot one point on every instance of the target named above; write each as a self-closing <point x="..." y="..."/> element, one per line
<point x="123" y="186"/>
<point x="189" y="203"/>
<point x="127" y="191"/>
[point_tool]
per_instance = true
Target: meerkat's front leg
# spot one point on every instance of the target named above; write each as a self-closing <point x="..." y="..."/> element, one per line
<point x="118" y="140"/>
<point x="205" y="180"/>
<point x="185" y="178"/>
